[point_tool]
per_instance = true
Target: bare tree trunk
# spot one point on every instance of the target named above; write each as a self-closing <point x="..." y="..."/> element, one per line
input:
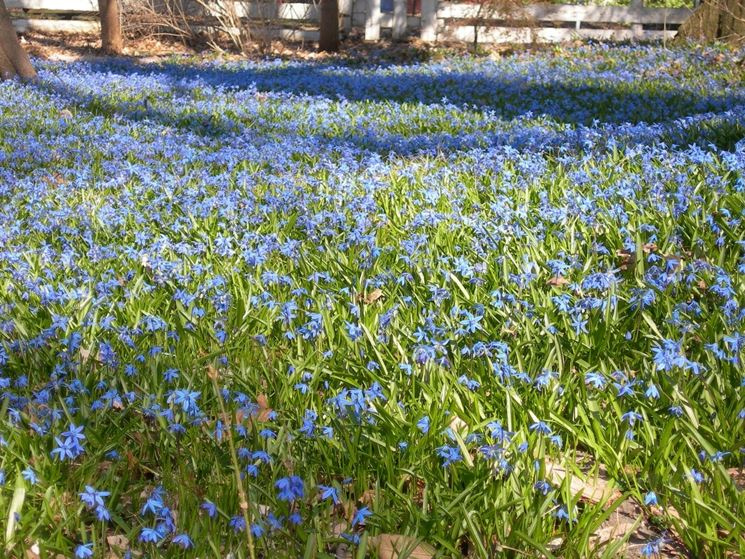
<point x="111" y="26"/>
<point x="733" y="22"/>
<point x="716" y="19"/>
<point x="7" y="70"/>
<point x="329" y="29"/>
<point x="13" y="59"/>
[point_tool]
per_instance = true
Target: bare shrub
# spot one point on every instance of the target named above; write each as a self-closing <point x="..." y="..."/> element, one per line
<point x="240" y="25"/>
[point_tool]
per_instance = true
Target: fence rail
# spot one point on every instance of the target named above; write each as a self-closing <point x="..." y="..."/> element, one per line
<point x="572" y="13"/>
<point x="438" y="21"/>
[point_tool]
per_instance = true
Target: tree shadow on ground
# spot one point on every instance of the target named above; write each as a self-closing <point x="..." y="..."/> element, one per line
<point x="571" y="98"/>
<point x="589" y="103"/>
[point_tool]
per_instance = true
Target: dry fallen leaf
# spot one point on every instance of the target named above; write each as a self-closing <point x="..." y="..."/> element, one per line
<point x="85" y="355"/>
<point x="264" y="413"/>
<point x="54" y="180"/>
<point x="558" y="281"/>
<point x="368" y="497"/>
<point x="104" y="466"/>
<point x="343" y="551"/>
<point x="395" y="546"/>
<point x="627" y="259"/>
<point x="595" y="490"/>
<point x="628" y="521"/>
<point x="621" y="522"/>
<point x="371" y="297"/>
<point x="132" y="462"/>
<point x="458" y="425"/>
<point x="33" y="551"/>
<point x="118" y="545"/>
<point x="338" y="528"/>
<point x="738" y="476"/>
<point x="555" y="544"/>
<point x="117" y="540"/>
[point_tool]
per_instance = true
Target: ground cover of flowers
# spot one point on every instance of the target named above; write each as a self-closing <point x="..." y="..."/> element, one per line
<point x="294" y="309"/>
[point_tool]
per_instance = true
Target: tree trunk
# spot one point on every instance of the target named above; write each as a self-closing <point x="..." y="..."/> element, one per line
<point x="13" y="59"/>
<point x="329" y="28"/>
<point x="716" y="20"/>
<point x="111" y="27"/>
<point x="733" y="20"/>
<point x="7" y="70"/>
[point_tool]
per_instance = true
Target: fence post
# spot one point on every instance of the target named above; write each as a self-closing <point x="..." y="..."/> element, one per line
<point x="637" y="30"/>
<point x="346" y="11"/>
<point x="372" y="21"/>
<point x="429" y="20"/>
<point x="399" y="19"/>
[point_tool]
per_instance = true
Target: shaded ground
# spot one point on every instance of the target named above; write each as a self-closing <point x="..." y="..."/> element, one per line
<point x="72" y="46"/>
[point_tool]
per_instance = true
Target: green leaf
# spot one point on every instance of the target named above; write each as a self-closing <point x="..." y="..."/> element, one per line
<point x="16" y="504"/>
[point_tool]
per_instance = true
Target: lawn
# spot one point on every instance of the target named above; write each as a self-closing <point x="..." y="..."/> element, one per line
<point x="475" y="306"/>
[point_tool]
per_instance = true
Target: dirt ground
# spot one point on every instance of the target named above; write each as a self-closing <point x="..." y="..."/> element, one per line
<point x="68" y="46"/>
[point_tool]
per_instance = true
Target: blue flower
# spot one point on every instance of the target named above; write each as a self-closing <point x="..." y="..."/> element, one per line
<point x="631" y="417"/>
<point x="187" y="400"/>
<point x="74" y="433"/>
<point x="449" y="455"/>
<point x="653" y="547"/>
<point x="650" y="499"/>
<point x="652" y="391"/>
<point x="595" y="379"/>
<point x="183" y="541"/>
<point x="69" y="446"/>
<point x="83" y="551"/>
<point x="102" y="514"/>
<point x="65" y="449"/>
<point x="360" y="516"/>
<point x="561" y="513"/>
<point x="669" y="355"/>
<point x="274" y="522"/>
<point x="210" y="508"/>
<point x="353" y="331"/>
<point x="237" y="523"/>
<point x="290" y="488"/>
<point x="541" y="427"/>
<point x="150" y="535"/>
<point x="257" y="529"/>
<point x="30" y="476"/>
<point x="471" y="322"/>
<point x="423" y="424"/>
<point x="92" y="497"/>
<point x="329" y="492"/>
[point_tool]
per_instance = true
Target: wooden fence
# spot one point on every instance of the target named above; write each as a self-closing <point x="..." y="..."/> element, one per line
<point x="437" y="20"/>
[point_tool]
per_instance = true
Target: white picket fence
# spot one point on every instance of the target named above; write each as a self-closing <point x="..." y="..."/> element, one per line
<point x="61" y="16"/>
<point x="438" y="21"/>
